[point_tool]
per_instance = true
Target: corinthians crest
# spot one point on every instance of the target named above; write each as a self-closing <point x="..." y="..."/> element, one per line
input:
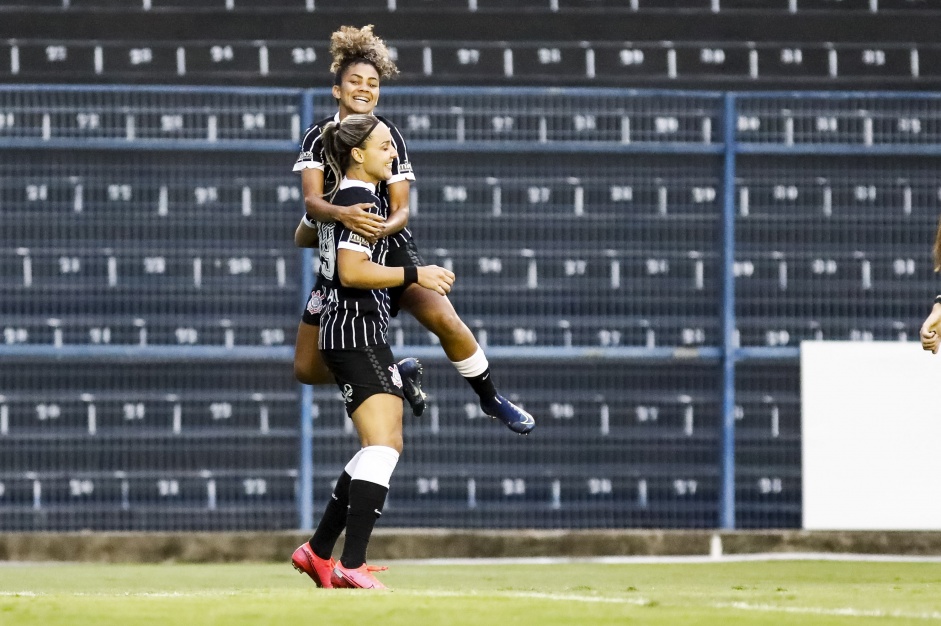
<point x="396" y="377"/>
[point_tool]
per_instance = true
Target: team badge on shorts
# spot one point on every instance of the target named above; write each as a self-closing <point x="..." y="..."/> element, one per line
<point x="396" y="377"/>
<point x="347" y="394"/>
<point x="315" y="304"/>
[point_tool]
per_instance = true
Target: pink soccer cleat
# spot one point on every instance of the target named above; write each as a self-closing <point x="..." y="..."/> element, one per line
<point x="319" y="570"/>
<point x="359" y="578"/>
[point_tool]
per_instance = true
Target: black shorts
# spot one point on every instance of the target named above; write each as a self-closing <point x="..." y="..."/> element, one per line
<point x="364" y="372"/>
<point x="401" y="256"/>
<point x="314" y="304"/>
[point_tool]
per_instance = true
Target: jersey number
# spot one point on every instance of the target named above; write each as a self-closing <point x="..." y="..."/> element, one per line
<point x="328" y="251"/>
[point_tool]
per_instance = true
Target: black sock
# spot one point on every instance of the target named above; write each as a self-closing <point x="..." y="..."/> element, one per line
<point x="366" y="502"/>
<point x="334" y="519"/>
<point x="483" y="385"/>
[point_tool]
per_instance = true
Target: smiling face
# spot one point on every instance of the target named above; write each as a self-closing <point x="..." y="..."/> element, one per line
<point x="358" y="91"/>
<point x="374" y="158"/>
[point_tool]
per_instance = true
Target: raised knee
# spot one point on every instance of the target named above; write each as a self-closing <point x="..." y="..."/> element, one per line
<point x="447" y="323"/>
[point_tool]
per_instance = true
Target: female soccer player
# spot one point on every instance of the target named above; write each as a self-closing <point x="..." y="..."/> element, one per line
<point x="360" y="61"/>
<point x="360" y="151"/>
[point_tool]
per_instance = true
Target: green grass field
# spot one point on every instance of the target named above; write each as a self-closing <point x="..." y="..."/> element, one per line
<point x="725" y="593"/>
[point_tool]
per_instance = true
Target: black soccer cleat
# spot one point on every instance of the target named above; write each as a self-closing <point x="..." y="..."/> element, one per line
<point x="411" y="370"/>
<point x="515" y="418"/>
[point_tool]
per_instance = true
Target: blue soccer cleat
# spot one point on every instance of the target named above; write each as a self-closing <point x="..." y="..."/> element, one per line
<point x="411" y="371"/>
<point x="515" y="418"/>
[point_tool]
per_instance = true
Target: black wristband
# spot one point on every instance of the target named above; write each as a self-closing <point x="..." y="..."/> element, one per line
<point x="937" y="299"/>
<point x="411" y="274"/>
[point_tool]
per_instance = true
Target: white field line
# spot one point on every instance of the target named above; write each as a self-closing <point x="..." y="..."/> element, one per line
<point x="647" y="560"/>
<point x="531" y="595"/>
<point x="136" y="594"/>
<point x="841" y="612"/>
<point x="607" y="560"/>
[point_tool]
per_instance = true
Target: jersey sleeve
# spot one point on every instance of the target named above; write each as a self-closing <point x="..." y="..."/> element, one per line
<point x="311" y="154"/>
<point x="401" y="166"/>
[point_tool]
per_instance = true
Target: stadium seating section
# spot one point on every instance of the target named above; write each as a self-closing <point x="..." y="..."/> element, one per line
<point x="149" y="291"/>
<point x="654" y="43"/>
<point x="262" y="62"/>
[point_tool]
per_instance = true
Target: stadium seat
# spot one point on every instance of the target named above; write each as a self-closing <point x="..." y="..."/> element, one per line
<point x="283" y="60"/>
<point x="793" y="61"/>
<point x="56" y="60"/>
<point x="833" y="6"/>
<point x="39" y="5"/>
<point x="148" y="62"/>
<point x="253" y="491"/>
<point x="633" y="61"/>
<point x="19" y="492"/>
<point x="170" y="490"/>
<point x="105" y="5"/>
<point x="219" y="60"/>
<point x="680" y="5"/>
<point x="338" y="5"/>
<point x="915" y="6"/>
<point x="875" y="62"/>
<point x="599" y="5"/>
<point x="275" y="5"/>
<point x="78" y="491"/>
<point x="454" y="62"/>
<point x="928" y="61"/>
<point x="549" y="61"/>
<point x="776" y="6"/>
<point x="710" y="62"/>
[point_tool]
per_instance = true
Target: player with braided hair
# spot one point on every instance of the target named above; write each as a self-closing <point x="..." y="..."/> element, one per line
<point x="361" y="61"/>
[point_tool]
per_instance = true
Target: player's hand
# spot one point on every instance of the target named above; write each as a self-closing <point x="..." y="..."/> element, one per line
<point x="436" y="278"/>
<point x="358" y="219"/>
<point x="930" y="340"/>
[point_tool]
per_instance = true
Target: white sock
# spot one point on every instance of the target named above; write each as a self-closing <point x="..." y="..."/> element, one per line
<point x="376" y="465"/>
<point x="474" y="366"/>
<point x="351" y="466"/>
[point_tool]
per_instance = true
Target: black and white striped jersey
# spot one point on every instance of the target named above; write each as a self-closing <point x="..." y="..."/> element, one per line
<point x="352" y="318"/>
<point x="311" y="155"/>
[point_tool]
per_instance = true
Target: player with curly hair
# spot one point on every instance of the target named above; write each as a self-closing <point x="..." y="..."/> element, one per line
<point x="361" y="61"/>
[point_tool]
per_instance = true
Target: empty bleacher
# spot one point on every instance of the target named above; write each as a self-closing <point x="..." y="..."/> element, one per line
<point x="631" y="446"/>
<point x="146" y="446"/>
<point x="279" y="62"/>
<point x="472" y="6"/>
<point x="574" y="220"/>
<point x="156" y="221"/>
<point x="699" y="43"/>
